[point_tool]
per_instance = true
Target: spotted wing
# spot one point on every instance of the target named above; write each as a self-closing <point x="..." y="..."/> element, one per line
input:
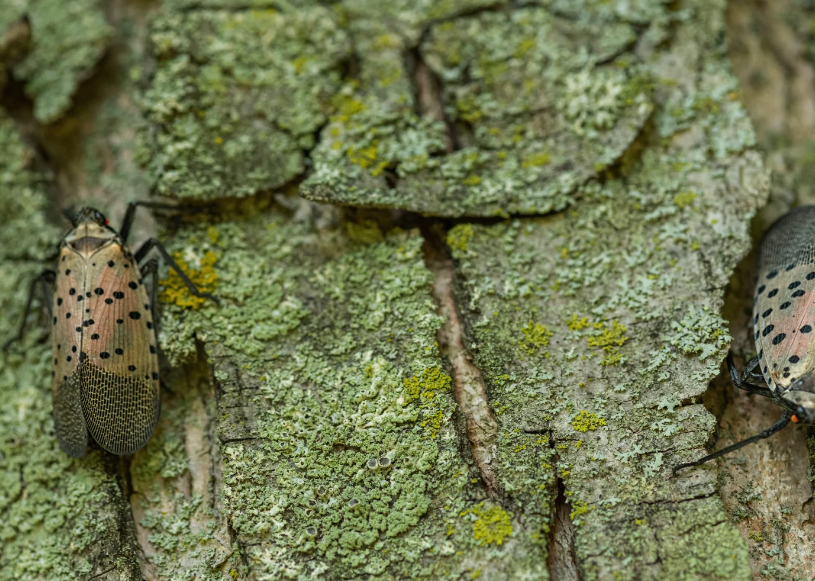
<point x="66" y="340"/>
<point x="784" y="311"/>
<point x="120" y="394"/>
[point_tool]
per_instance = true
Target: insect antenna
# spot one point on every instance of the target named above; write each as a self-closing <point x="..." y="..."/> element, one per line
<point x="777" y="427"/>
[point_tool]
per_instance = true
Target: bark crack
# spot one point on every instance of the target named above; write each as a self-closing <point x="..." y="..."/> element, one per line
<point x="429" y="96"/>
<point x="468" y="383"/>
<point x="562" y="563"/>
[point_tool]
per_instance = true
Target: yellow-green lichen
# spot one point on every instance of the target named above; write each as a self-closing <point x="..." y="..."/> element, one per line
<point x="609" y="339"/>
<point x="432" y="381"/>
<point x="205" y="278"/>
<point x="585" y="421"/>
<point x="684" y="199"/>
<point x="535" y="337"/>
<point x="459" y="236"/>
<point x="491" y="526"/>
<point x="579" y="508"/>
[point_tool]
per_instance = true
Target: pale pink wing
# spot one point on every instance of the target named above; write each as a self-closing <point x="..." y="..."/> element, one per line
<point x="784" y="311"/>
<point x="120" y="393"/>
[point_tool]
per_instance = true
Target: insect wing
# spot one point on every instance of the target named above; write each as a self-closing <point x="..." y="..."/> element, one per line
<point x="784" y="311"/>
<point x="66" y="341"/>
<point x="120" y="390"/>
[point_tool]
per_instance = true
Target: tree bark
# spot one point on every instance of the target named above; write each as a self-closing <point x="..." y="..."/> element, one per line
<point x="478" y="266"/>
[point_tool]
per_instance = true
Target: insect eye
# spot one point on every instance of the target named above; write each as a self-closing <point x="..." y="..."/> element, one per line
<point x="107" y="222"/>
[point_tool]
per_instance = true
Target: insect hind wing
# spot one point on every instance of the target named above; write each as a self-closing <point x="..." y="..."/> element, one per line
<point x="121" y="412"/>
<point x="69" y="421"/>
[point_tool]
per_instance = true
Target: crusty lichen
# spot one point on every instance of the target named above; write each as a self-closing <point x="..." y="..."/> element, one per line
<point x="491" y="525"/>
<point x="630" y="280"/>
<point x="335" y="412"/>
<point x="543" y="107"/>
<point x="231" y="117"/>
<point x="60" y="56"/>
<point x="205" y="278"/>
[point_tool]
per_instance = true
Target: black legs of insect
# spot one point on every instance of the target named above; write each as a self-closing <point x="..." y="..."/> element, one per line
<point x="153" y="243"/>
<point x="43" y="280"/>
<point x="744" y="382"/>
<point x="127" y="223"/>
<point x="778" y="426"/>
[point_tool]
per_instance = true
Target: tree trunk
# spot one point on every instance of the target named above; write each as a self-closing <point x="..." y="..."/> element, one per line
<point x="478" y="264"/>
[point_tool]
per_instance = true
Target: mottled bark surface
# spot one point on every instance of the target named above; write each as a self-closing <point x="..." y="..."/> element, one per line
<point x="481" y="354"/>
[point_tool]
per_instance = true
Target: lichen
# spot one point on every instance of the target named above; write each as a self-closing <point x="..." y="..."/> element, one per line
<point x="459" y="236"/>
<point x="492" y="525"/>
<point x="533" y="135"/>
<point x="535" y="337"/>
<point x="61" y="56"/>
<point x="609" y="339"/>
<point x="336" y="430"/>
<point x="205" y="278"/>
<point x="585" y="421"/>
<point x="231" y="117"/>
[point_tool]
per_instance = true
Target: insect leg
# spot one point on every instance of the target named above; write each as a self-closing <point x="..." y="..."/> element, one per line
<point x="153" y="243"/>
<point x="43" y="280"/>
<point x="740" y="381"/>
<point x="748" y="373"/>
<point x="127" y="223"/>
<point x="778" y="426"/>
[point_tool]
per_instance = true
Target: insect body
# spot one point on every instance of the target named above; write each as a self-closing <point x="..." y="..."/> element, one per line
<point x="783" y="325"/>
<point x="105" y="379"/>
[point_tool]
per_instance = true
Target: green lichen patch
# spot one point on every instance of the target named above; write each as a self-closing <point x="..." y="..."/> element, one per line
<point x="237" y="96"/>
<point x="68" y="38"/>
<point x="60" y="518"/>
<point x="334" y="413"/>
<point x="23" y="201"/>
<point x="409" y="18"/>
<point x="631" y="282"/>
<point x="585" y="421"/>
<point x="609" y="338"/>
<point x="535" y="338"/>
<point x="177" y="509"/>
<point x="491" y="525"/>
<point x="537" y="106"/>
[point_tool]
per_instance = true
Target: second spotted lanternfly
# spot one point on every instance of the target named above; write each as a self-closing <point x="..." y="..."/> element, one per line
<point x="783" y="325"/>
<point x="105" y="379"/>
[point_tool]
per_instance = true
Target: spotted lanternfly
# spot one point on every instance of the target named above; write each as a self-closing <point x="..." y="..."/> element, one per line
<point x="783" y="323"/>
<point x="105" y="378"/>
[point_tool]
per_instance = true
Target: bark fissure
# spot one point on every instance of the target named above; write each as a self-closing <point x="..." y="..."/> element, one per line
<point x="429" y="94"/>
<point x="562" y="563"/>
<point x="469" y="390"/>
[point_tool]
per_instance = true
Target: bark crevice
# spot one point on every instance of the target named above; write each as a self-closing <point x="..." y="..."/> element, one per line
<point x="469" y="390"/>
